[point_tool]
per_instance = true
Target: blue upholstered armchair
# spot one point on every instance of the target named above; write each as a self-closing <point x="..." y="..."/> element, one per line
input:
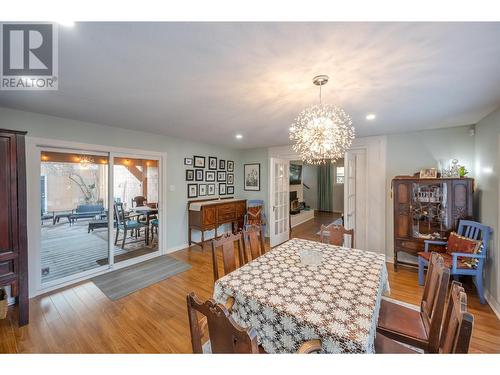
<point x="469" y="229"/>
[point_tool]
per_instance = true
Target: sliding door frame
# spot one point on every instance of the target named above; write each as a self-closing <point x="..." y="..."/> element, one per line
<point x="34" y="145"/>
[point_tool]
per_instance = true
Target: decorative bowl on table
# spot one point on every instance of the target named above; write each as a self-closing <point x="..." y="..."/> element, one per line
<point x="309" y="257"/>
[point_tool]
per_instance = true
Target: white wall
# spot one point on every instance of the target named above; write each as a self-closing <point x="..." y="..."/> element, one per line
<point x="410" y="152"/>
<point x="487" y="168"/>
<point x="310" y="178"/>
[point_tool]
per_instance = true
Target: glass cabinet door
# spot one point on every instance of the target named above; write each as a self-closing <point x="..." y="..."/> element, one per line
<point x="429" y="210"/>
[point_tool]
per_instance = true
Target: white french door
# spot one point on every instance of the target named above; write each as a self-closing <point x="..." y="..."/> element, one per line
<point x="279" y="228"/>
<point x="355" y="196"/>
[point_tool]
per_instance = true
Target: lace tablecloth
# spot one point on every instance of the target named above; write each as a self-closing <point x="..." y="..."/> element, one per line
<point x="288" y="303"/>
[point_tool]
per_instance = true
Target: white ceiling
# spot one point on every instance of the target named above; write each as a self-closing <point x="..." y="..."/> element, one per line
<point x="209" y="81"/>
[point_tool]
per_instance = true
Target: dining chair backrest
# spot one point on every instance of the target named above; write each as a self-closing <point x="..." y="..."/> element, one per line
<point x="434" y="299"/>
<point x="254" y="238"/>
<point x="475" y="231"/>
<point x="457" y="324"/>
<point x="225" y="335"/>
<point x="119" y="213"/>
<point x="139" y="201"/>
<point x="335" y="235"/>
<point x="226" y="243"/>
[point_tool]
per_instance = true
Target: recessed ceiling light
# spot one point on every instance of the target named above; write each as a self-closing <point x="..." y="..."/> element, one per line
<point x="238" y="136"/>
<point x="66" y="23"/>
<point x="370" y="116"/>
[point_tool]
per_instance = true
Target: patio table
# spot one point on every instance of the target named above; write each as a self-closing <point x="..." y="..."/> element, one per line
<point x="287" y="303"/>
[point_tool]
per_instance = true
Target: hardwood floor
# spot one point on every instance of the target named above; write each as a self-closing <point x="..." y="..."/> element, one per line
<point x="80" y="319"/>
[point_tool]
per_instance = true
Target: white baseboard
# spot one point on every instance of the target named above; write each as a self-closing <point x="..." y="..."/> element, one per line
<point x="495" y="306"/>
<point x="177" y="248"/>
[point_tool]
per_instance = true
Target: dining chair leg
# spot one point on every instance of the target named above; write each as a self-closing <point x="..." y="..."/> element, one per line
<point x="124" y="238"/>
<point x="116" y="237"/>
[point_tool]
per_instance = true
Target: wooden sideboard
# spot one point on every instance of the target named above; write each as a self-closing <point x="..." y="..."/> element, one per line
<point x="13" y="239"/>
<point x="211" y="214"/>
<point x="428" y="209"/>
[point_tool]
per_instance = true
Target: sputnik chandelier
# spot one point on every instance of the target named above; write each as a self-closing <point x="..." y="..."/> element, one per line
<point x="321" y="132"/>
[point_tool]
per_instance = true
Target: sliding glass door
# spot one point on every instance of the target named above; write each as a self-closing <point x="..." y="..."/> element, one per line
<point x="74" y="211"/>
<point x="96" y="210"/>
<point x="136" y="196"/>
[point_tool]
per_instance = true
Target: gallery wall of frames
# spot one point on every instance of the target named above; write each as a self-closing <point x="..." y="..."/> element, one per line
<point x="208" y="176"/>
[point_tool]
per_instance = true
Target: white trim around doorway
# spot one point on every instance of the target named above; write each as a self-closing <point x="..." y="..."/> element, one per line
<point x="33" y="146"/>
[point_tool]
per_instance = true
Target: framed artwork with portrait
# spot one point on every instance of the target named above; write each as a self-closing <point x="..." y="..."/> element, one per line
<point x="211" y="189"/>
<point x="192" y="190"/>
<point x="212" y="163"/>
<point x="199" y="161"/>
<point x="251" y="177"/>
<point x="198" y="174"/>
<point x="222" y="164"/>
<point x="230" y="166"/>
<point x="222" y="189"/>
<point x="189" y="174"/>
<point x="202" y="190"/>
<point x="230" y="190"/>
<point x="188" y="161"/>
<point x="230" y="178"/>
<point x="210" y="176"/>
<point x="221" y="176"/>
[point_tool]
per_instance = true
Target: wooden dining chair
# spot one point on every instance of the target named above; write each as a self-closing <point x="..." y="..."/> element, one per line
<point x="419" y="328"/>
<point x="455" y="333"/>
<point x="334" y="235"/>
<point x="253" y="239"/>
<point x="225" y="335"/>
<point x="226" y="243"/>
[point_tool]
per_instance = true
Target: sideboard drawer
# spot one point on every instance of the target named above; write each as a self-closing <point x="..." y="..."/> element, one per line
<point x="6" y="267"/>
<point x="225" y="217"/>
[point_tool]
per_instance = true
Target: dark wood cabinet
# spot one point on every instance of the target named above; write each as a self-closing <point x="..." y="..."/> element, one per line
<point x="209" y="214"/>
<point x="428" y="209"/>
<point x="13" y="241"/>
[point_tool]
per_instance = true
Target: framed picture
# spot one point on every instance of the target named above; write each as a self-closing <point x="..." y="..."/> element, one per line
<point x="189" y="174"/>
<point x="192" y="190"/>
<point x="222" y="189"/>
<point x="199" y="161"/>
<point x="428" y="173"/>
<point x="230" y="178"/>
<point x="212" y="163"/>
<point x="211" y="189"/>
<point x="198" y="175"/>
<point x="209" y="176"/>
<point x="222" y="164"/>
<point x="251" y="177"/>
<point x="202" y="190"/>
<point x="230" y="166"/>
<point x="230" y="190"/>
<point x="188" y="161"/>
<point x="221" y="176"/>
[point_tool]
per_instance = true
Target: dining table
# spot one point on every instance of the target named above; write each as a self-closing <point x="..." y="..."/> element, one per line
<point x="288" y="301"/>
<point x="148" y="212"/>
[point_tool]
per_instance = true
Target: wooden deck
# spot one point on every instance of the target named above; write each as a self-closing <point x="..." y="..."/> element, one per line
<point x="68" y="250"/>
<point x="80" y="319"/>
